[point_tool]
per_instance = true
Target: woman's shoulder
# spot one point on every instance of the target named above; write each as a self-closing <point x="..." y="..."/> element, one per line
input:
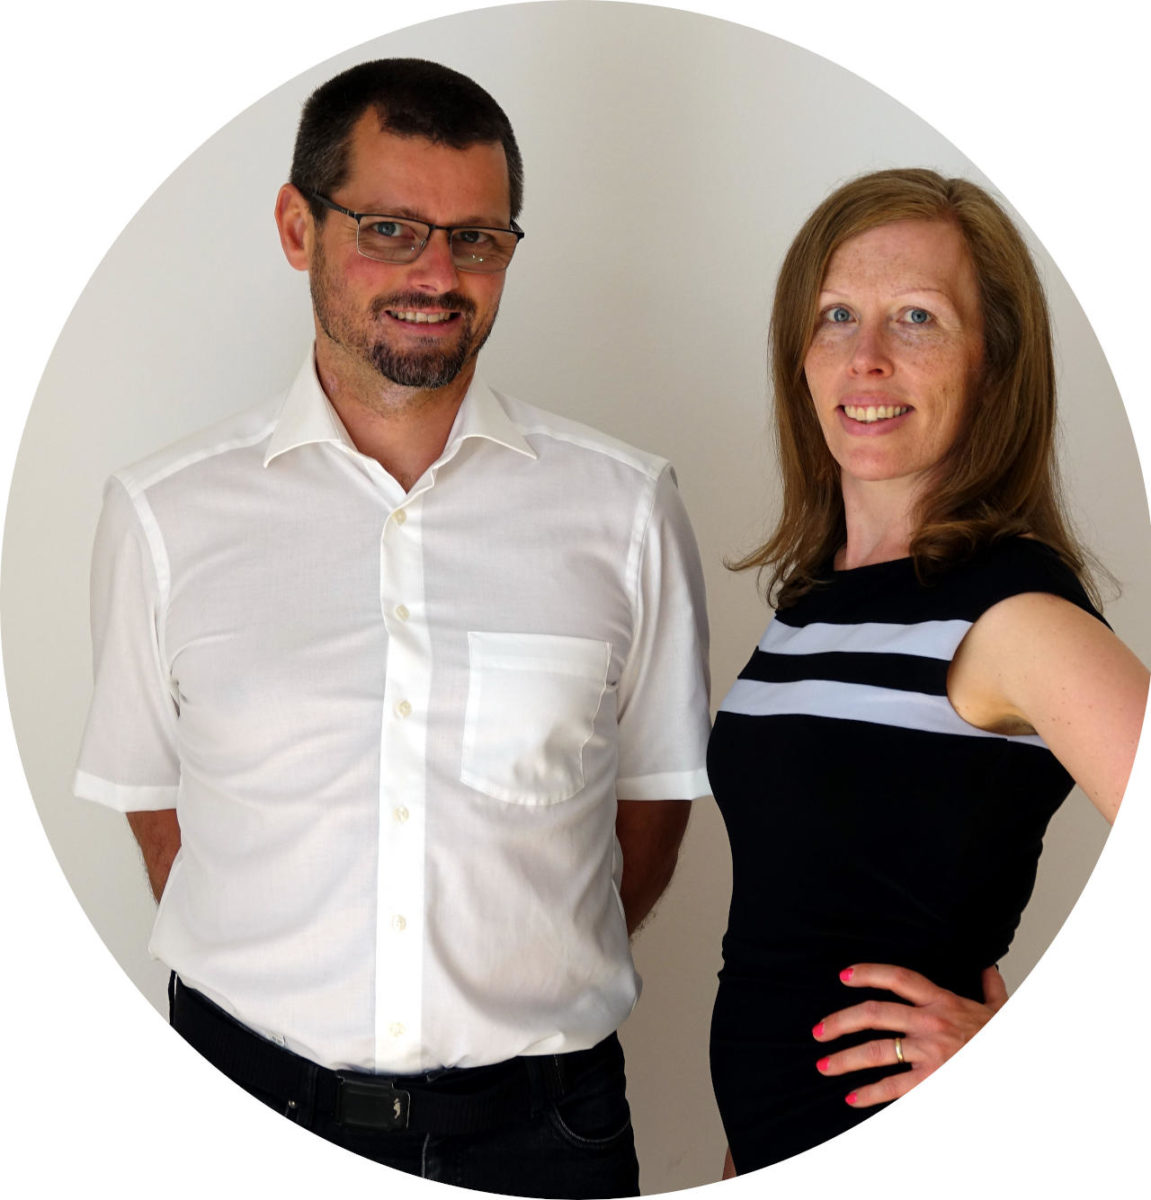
<point x="897" y="591"/>
<point x="1014" y="566"/>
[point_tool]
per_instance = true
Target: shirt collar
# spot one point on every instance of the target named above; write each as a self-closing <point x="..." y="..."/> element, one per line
<point x="307" y="417"/>
<point x="482" y="415"/>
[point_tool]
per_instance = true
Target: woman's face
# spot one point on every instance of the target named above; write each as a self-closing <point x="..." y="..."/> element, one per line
<point x="897" y="350"/>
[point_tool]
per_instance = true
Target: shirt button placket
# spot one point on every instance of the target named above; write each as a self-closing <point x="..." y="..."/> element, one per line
<point x="400" y="890"/>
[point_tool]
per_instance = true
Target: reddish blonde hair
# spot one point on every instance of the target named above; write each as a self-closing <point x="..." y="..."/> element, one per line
<point x="1000" y="477"/>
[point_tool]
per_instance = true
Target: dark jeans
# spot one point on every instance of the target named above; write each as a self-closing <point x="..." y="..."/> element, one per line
<point x="564" y="1146"/>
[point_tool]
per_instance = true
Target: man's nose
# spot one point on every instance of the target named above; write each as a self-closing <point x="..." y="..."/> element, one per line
<point x="434" y="270"/>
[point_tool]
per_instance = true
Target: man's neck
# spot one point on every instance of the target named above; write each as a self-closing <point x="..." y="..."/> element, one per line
<point x="404" y="429"/>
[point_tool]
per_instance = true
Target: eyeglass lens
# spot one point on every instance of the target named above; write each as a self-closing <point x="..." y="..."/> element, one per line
<point x="392" y="239"/>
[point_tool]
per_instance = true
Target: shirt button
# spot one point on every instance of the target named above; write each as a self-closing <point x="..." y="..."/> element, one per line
<point x="400" y="517"/>
<point x="396" y="1029"/>
<point x="401" y="814"/>
<point x="403" y="709"/>
<point x="402" y="612"/>
<point x="399" y="924"/>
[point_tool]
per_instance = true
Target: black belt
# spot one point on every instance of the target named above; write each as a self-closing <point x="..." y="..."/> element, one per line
<point x="457" y="1100"/>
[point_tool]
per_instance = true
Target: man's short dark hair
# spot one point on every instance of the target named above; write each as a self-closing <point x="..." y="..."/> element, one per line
<point x="414" y="98"/>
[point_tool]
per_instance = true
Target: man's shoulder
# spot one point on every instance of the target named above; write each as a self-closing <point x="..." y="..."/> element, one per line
<point x="248" y="430"/>
<point x="541" y="428"/>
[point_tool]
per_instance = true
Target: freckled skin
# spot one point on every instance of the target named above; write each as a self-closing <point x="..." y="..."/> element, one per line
<point x="899" y="324"/>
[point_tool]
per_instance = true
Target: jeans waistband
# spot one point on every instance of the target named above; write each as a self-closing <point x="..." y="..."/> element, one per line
<point x="458" y="1100"/>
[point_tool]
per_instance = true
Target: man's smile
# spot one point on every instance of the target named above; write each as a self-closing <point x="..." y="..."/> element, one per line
<point x="420" y="317"/>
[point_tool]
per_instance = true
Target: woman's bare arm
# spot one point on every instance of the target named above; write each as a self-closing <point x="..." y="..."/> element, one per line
<point x="1038" y="663"/>
<point x="1034" y="663"/>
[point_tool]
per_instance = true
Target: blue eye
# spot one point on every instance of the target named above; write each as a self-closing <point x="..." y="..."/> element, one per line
<point x="918" y="316"/>
<point x="838" y="315"/>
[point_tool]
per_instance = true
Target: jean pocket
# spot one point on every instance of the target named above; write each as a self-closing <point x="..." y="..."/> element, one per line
<point x="531" y="710"/>
<point x="595" y="1113"/>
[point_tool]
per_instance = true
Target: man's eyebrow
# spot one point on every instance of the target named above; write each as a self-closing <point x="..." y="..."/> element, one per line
<point x="393" y="210"/>
<point x="410" y="214"/>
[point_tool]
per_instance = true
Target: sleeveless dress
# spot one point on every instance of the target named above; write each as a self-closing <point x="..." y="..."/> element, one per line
<point x="868" y="823"/>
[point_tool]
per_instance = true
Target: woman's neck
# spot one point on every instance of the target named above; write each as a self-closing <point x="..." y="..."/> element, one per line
<point x="880" y="518"/>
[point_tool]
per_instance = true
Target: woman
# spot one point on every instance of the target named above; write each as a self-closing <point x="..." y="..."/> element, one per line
<point x="936" y="676"/>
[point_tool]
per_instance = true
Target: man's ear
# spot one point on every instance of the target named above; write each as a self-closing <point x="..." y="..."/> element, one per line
<point x="297" y="228"/>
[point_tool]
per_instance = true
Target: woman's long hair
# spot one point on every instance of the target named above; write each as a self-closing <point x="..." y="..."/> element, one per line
<point x="1000" y="477"/>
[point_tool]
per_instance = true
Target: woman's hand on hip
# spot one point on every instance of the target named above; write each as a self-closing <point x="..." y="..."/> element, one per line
<point x="927" y="1030"/>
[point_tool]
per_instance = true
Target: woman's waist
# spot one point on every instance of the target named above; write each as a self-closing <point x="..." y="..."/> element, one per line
<point x="786" y="967"/>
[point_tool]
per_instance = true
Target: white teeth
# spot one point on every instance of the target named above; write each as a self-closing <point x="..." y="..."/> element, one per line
<point x="423" y="318"/>
<point x="872" y="412"/>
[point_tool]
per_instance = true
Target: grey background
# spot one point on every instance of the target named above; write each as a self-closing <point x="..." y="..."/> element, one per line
<point x="685" y="167"/>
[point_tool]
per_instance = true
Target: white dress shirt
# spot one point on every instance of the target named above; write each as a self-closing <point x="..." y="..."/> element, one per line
<point x="394" y="725"/>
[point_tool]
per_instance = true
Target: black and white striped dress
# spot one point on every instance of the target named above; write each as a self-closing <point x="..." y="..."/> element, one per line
<point x="868" y="823"/>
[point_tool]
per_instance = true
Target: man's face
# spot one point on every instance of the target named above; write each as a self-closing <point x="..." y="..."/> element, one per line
<point x="418" y="324"/>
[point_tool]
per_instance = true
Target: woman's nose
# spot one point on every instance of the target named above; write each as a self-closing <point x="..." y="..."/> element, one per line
<point x="870" y="354"/>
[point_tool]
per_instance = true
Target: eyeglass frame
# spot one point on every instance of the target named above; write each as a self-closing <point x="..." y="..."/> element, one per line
<point x="448" y="229"/>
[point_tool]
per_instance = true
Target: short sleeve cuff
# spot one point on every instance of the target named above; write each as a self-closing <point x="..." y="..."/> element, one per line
<point x="668" y="785"/>
<point x="122" y="797"/>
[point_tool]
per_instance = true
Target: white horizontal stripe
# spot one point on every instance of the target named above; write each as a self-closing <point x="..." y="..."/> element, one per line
<point x="856" y="702"/>
<point x="928" y="639"/>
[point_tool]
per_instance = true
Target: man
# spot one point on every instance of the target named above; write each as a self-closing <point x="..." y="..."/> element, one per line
<point x="374" y="661"/>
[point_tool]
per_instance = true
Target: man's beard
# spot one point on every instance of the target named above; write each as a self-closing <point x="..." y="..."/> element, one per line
<point x="438" y="365"/>
<point x="427" y="369"/>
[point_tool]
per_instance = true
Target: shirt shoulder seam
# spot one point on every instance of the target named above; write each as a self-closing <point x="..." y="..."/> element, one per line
<point x="533" y="421"/>
<point x="138" y="478"/>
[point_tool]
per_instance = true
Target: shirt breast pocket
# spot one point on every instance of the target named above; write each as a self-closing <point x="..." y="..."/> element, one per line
<point x="532" y="705"/>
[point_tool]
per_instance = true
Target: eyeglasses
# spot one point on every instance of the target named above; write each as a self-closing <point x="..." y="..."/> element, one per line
<point x="402" y="240"/>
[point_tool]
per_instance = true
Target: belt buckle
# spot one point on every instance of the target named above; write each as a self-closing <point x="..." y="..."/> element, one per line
<point x="372" y="1104"/>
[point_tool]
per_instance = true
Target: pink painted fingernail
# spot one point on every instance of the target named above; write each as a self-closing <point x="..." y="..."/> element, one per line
<point x="845" y="975"/>
<point x="822" y="1064"/>
<point x="852" y="1097"/>
<point x="818" y="1030"/>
